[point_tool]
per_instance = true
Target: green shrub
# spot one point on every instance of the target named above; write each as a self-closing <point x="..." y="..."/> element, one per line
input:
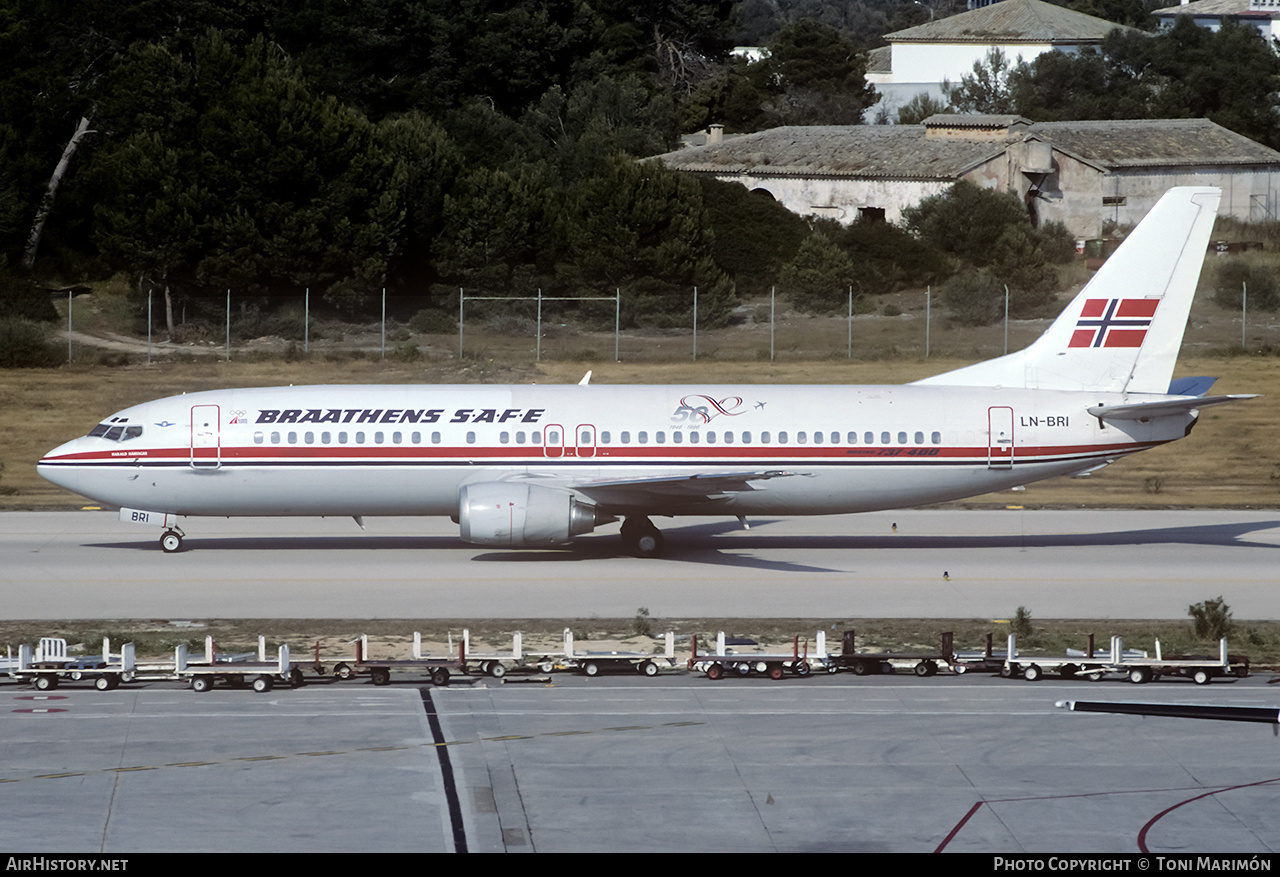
<point x="1210" y="620"/>
<point x="27" y="344"/>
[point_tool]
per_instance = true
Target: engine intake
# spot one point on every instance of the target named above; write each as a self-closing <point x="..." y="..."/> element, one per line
<point x="514" y="514"/>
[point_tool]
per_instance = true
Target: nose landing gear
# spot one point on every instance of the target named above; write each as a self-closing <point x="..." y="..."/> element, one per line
<point x="171" y="540"/>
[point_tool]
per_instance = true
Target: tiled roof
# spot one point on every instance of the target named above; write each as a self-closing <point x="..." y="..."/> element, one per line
<point x="902" y="152"/>
<point x="1010" y="21"/>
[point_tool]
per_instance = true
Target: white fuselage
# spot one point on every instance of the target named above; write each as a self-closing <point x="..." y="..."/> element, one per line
<point x="409" y="450"/>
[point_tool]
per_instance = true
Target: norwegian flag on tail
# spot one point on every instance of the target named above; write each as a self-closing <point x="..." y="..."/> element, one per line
<point x="1114" y="322"/>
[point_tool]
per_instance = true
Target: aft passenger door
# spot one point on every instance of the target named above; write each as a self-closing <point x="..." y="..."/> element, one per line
<point x="1000" y="438"/>
<point x="206" y="442"/>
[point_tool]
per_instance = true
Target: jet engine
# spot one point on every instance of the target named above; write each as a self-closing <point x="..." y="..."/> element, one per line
<point x="514" y="514"/>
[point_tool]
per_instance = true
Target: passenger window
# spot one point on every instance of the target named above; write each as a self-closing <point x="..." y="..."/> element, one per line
<point x="325" y="437"/>
<point x="626" y="438"/>
<point x="520" y="437"/>
<point x="936" y="438"/>
<point x="728" y="438"/>
<point x="536" y="437"/>
<point x="677" y="438"/>
<point x="782" y="437"/>
<point x="852" y="438"/>
<point x="660" y="437"/>
<point x="605" y="437"/>
<point x="257" y="438"/>
<point x="642" y="437"/>
<point x="471" y="438"/>
<point x="693" y="438"/>
<point x="869" y="438"/>
<point x="746" y="438"/>
<point x="919" y="438"/>
<point x="764" y="437"/>
<point x="378" y="438"/>
<point x="802" y="437"/>
<point x="309" y="438"/>
<point x="504" y="437"/>
<point x="359" y="438"/>
<point x="416" y="438"/>
<point x="275" y="438"/>
<point x="711" y="438"/>
<point x="885" y="438"/>
<point x="342" y="438"/>
<point x="293" y="438"/>
<point x="435" y="438"/>
<point x="902" y="438"/>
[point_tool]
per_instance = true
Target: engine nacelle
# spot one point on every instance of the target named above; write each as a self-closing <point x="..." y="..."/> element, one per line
<point x="513" y="514"/>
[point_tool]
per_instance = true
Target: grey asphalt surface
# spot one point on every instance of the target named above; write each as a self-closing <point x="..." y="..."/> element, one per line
<point x="622" y="763"/>
<point x="936" y="564"/>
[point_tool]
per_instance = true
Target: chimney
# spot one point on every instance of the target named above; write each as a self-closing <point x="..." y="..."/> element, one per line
<point x="715" y="134"/>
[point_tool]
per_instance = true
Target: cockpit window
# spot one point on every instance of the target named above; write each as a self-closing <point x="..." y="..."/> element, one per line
<point x="116" y="432"/>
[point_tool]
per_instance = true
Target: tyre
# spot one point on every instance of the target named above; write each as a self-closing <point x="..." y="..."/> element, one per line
<point x="922" y="669"/>
<point x="648" y="668"/>
<point x="46" y="683"/>
<point x="715" y="671"/>
<point x="591" y="668"/>
<point x="1032" y="673"/>
<point x="776" y="671"/>
<point x="497" y="670"/>
<point x="106" y="683"/>
<point x="1201" y="677"/>
<point x="201" y="683"/>
<point x="342" y="671"/>
<point x="861" y="668"/>
<point x="803" y="669"/>
<point x="439" y="676"/>
<point x="262" y="684"/>
<point x="546" y="666"/>
<point x="171" y="542"/>
<point x="380" y="676"/>
<point x="1139" y="675"/>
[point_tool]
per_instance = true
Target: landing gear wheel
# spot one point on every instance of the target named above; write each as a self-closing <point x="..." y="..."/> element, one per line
<point x="642" y="538"/>
<point x="171" y="541"/>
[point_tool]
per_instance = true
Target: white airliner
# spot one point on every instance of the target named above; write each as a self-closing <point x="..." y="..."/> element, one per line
<point x="538" y="465"/>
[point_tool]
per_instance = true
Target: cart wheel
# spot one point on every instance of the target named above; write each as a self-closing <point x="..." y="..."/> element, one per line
<point x="106" y="683"/>
<point x="715" y="671"/>
<point x="380" y="676"/>
<point x="1201" y="677"/>
<point x="342" y="671"/>
<point x="922" y="669"/>
<point x="1032" y="673"/>
<point x="201" y="683"/>
<point x="861" y="668"/>
<point x="497" y="670"/>
<point x="803" y="668"/>
<point x="46" y="683"/>
<point x="648" y="668"/>
<point x="546" y="666"/>
<point x="1008" y="671"/>
<point x="1095" y="676"/>
<point x="776" y="671"/>
<point x="296" y="678"/>
<point x="1139" y="675"/>
<point x="591" y="668"/>
<point x="262" y="684"/>
<point x="743" y="669"/>
<point x="439" y="676"/>
<point x="1067" y="671"/>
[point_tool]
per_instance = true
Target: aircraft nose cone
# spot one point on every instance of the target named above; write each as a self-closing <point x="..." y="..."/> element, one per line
<point x="56" y="467"/>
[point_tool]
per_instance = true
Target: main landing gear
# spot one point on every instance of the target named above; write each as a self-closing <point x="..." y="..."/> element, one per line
<point x="642" y="538"/>
<point x="171" y="541"/>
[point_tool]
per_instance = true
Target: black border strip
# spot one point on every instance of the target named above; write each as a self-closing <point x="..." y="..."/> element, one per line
<point x="446" y="773"/>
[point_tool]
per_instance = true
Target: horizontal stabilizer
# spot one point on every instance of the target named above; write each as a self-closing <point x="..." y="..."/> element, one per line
<point x="1162" y="407"/>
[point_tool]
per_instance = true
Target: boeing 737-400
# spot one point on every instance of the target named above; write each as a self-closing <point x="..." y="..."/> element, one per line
<point x="538" y="465"/>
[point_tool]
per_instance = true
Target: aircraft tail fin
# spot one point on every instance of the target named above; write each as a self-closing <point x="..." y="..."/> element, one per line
<point x="1123" y="331"/>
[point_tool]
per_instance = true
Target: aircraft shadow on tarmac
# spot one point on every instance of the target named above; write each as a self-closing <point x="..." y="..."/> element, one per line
<point x="711" y="543"/>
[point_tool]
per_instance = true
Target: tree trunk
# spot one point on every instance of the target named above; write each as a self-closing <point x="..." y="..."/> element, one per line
<point x="46" y="203"/>
<point x="168" y="310"/>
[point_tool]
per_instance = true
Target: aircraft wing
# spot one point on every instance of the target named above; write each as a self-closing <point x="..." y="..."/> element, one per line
<point x="651" y="492"/>
<point x="1161" y="408"/>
